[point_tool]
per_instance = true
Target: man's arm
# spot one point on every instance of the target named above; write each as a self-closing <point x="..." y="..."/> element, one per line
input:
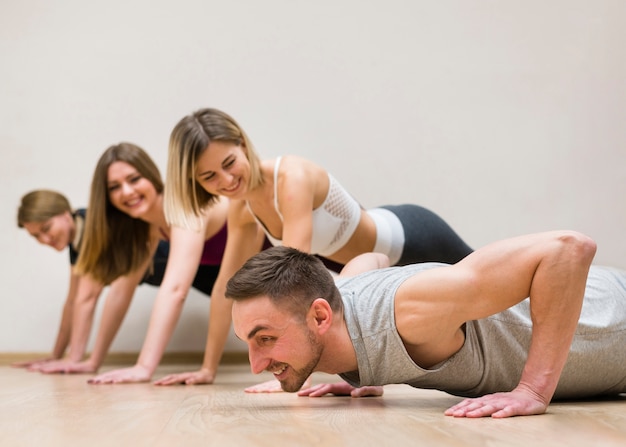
<point x="550" y="268"/>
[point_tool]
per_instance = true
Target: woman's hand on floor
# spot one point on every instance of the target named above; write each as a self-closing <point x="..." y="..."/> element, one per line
<point x="67" y="367"/>
<point x="125" y="375"/>
<point x="203" y="376"/>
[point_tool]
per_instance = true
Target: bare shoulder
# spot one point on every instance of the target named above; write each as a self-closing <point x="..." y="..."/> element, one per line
<point x="214" y="216"/>
<point x="288" y="164"/>
<point x="429" y="313"/>
<point x="221" y="204"/>
<point x="300" y="177"/>
<point x="434" y="301"/>
<point x="239" y="214"/>
<point x="217" y="210"/>
<point x="295" y="167"/>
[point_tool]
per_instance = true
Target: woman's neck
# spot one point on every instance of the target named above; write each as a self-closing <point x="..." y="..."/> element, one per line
<point x="155" y="215"/>
<point x="263" y="194"/>
<point x="75" y="222"/>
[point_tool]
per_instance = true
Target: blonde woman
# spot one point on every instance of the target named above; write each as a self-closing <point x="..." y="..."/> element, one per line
<point x="125" y="223"/>
<point x="48" y="217"/>
<point x="296" y="202"/>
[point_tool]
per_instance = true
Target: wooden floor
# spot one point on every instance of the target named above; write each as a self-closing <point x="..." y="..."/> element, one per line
<point x="57" y="410"/>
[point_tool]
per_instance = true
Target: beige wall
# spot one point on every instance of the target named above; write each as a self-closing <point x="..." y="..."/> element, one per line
<point x="504" y="117"/>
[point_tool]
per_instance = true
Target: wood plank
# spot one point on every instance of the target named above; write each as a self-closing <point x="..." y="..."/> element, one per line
<point x="63" y="410"/>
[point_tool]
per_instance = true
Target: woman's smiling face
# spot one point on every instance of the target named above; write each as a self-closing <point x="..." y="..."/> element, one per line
<point x="56" y="232"/>
<point x="223" y="170"/>
<point x="129" y="191"/>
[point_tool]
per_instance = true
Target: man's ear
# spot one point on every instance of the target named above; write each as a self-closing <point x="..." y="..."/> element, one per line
<point x="320" y="315"/>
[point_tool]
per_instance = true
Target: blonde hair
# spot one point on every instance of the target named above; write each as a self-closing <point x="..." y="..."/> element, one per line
<point x="184" y="198"/>
<point x="40" y="205"/>
<point x="115" y="244"/>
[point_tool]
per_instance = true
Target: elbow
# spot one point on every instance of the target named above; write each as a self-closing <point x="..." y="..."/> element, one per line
<point x="383" y="260"/>
<point x="89" y="298"/>
<point x="176" y="293"/>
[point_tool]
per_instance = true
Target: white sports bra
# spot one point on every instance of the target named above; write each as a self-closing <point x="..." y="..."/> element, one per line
<point x="334" y="221"/>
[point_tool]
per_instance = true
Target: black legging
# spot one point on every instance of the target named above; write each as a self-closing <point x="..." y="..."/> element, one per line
<point x="427" y="237"/>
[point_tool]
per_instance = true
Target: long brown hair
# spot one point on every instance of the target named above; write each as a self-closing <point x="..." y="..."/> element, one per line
<point x="114" y="243"/>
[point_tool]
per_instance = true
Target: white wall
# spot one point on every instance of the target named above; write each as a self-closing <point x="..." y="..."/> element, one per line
<point x="504" y="117"/>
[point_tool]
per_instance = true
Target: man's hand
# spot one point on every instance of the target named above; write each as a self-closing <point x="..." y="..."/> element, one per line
<point x="341" y="389"/>
<point x="519" y="402"/>
<point x="272" y="386"/>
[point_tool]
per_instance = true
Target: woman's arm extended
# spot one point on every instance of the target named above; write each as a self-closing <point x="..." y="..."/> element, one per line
<point x="64" y="333"/>
<point x="185" y="251"/>
<point x="244" y="240"/>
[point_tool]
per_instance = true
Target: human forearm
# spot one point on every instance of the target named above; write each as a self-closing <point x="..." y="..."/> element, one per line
<point x="115" y="308"/>
<point x="184" y="257"/>
<point x="165" y="315"/>
<point x="82" y="322"/>
<point x="65" y="327"/>
<point x="556" y="297"/>
<point x="298" y="234"/>
<point x="551" y="269"/>
<point x="547" y="356"/>
<point x="219" y="325"/>
<point x="82" y="318"/>
<point x="65" y="330"/>
<point x="244" y="240"/>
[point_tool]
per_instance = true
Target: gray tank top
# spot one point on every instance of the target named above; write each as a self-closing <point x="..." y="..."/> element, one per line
<point x="495" y="348"/>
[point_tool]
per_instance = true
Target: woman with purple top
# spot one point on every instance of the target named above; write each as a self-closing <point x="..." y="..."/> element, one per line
<point x="125" y="223"/>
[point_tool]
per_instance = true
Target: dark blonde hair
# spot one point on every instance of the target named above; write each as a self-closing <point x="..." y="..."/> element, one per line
<point x="290" y="278"/>
<point x="40" y="205"/>
<point x="115" y="244"/>
<point x="185" y="199"/>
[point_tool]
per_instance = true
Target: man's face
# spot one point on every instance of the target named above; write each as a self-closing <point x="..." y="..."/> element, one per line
<point x="278" y="341"/>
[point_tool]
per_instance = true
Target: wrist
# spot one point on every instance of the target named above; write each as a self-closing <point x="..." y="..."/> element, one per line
<point x="92" y="364"/>
<point x="207" y="369"/>
<point x="75" y="358"/>
<point x="209" y="373"/>
<point x="542" y="395"/>
<point x="149" y="369"/>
